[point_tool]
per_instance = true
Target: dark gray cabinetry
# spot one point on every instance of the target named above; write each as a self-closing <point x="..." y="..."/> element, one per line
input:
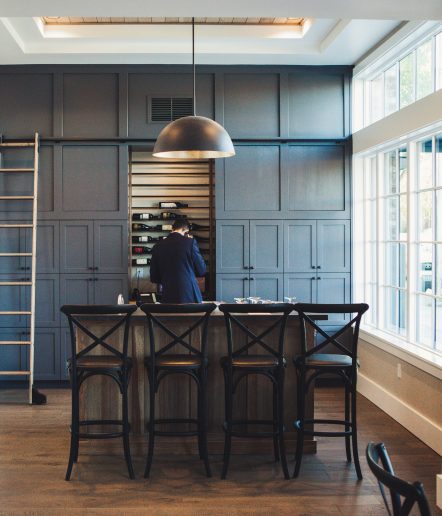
<point x="47" y="300"/>
<point x="76" y="246"/>
<point x="90" y="105"/>
<point x="267" y="286"/>
<point x="47" y="354"/>
<point x="326" y="287"/>
<point x="108" y="286"/>
<point x="249" y="182"/>
<point x="311" y="245"/>
<point x="48" y="247"/>
<point x="251" y="105"/>
<point x="110" y="246"/>
<point x="13" y="358"/>
<point x="229" y="286"/>
<point x="14" y="298"/>
<point x="99" y="246"/>
<point x="254" y="246"/>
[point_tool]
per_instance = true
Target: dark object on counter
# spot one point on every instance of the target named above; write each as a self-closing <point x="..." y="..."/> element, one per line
<point x="384" y="473"/>
<point x="193" y="362"/>
<point x="82" y="365"/>
<point x="240" y="362"/>
<point x="343" y="365"/>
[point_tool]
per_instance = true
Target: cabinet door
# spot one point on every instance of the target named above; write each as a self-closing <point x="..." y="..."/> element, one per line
<point x="266" y="246"/>
<point x="229" y="286"/>
<point x="14" y="240"/>
<point x="76" y="289"/>
<point x="13" y="358"/>
<point x="47" y="300"/>
<point x="47" y="354"/>
<point x="14" y="298"/>
<point x="299" y="245"/>
<point x="334" y="288"/>
<point x="48" y="247"/>
<point x="333" y="245"/>
<point x="77" y="251"/>
<point x="110" y="246"/>
<point x="267" y="286"/>
<point x="302" y="286"/>
<point x="232" y="246"/>
<point x="107" y="287"/>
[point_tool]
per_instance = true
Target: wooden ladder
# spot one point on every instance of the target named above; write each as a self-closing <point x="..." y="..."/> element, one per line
<point x="33" y="226"/>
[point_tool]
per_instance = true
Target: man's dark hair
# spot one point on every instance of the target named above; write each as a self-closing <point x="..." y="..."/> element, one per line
<point x="181" y="224"/>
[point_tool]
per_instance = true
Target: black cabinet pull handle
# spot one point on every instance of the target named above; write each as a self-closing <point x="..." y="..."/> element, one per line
<point x="95" y="268"/>
<point x="318" y="278"/>
<point x="251" y="267"/>
<point x="318" y="267"/>
<point x="90" y="268"/>
<point x="90" y="279"/>
<point x="252" y="279"/>
<point x="245" y="279"/>
<point x="313" y="278"/>
<point x="245" y="267"/>
<point x="95" y="279"/>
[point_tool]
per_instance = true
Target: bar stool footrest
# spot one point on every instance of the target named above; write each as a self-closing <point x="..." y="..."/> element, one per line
<point x="298" y="426"/>
<point x="100" y="435"/>
<point x="176" y="421"/>
<point x="245" y="422"/>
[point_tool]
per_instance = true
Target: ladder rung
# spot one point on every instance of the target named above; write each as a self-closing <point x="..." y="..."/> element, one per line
<point x="14" y="373"/>
<point x="16" y="197"/>
<point x="17" y="144"/>
<point x="16" y="226"/>
<point x="15" y="342"/>
<point x="15" y="313"/>
<point x="15" y="254"/>
<point x="12" y="283"/>
<point x="16" y="170"/>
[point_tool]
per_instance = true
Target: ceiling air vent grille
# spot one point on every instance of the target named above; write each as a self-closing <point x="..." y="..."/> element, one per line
<point x="167" y="109"/>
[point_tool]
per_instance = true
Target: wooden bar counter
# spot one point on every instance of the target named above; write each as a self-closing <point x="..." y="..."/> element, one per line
<point x="177" y="394"/>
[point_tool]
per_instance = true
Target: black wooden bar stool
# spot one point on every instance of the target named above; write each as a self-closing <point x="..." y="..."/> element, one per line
<point x="86" y="363"/>
<point x="311" y="363"/>
<point x="190" y="361"/>
<point x="239" y="363"/>
<point x="403" y="495"/>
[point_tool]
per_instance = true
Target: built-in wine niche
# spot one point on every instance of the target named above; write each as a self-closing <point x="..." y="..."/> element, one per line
<point x="159" y="192"/>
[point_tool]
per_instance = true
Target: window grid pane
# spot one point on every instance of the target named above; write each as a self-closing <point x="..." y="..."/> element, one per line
<point x="424" y="70"/>
<point x="406" y="80"/>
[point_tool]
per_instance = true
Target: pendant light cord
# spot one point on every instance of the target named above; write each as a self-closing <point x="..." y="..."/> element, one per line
<point x="193" y="66"/>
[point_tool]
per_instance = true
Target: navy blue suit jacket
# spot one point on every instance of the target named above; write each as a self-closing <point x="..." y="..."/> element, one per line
<point x="176" y="261"/>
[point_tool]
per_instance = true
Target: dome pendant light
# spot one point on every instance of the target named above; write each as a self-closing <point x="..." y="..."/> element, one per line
<point x="193" y="137"/>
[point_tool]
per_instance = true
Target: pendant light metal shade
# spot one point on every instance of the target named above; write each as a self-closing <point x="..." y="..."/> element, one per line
<point x="194" y="137"/>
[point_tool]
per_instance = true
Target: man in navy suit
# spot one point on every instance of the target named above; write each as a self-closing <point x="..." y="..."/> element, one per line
<point x="176" y="261"/>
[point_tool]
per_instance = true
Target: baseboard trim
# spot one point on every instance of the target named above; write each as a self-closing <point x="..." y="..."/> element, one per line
<point x="415" y="422"/>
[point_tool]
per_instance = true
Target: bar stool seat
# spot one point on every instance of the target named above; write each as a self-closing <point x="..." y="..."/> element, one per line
<point x="177" y="361"/>
<point x="324" y="360"/>
<point x="251" y="361"/>
<point x="102" y="362"/>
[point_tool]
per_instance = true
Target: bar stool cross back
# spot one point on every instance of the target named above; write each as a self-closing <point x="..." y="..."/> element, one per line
<point x="193" y="363"/>
<point x="240" y="362"/>
<point x="311" y="363"/>
<point x="86" y="363"/>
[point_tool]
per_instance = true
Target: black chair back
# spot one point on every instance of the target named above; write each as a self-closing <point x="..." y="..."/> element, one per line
<point x="120" y="316"/>
<point x="304" y="309"/>
<point x="231" y="310"/>
<point x="403" y="495"/>
<point x="153" y="311"/>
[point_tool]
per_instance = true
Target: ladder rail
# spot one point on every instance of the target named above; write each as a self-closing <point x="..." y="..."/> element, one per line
<point x="34" y="264"/>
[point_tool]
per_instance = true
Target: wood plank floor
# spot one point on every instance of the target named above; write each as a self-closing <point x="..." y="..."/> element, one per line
<point x="34" y="444"/>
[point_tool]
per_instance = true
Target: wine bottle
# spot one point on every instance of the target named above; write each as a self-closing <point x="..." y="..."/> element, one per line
<point x="158" y="227"/>
<point x="170" y="215"/>
<point x="142" y="249"/>
<point x="173" y="204"/>
<point x="141" y="261"/>
<point x="145" y="216"/>
<point x="146" y="238"/>
<point x="198" y="227"/>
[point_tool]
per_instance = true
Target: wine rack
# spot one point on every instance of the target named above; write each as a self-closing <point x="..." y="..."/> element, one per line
<point x="153" y="181"/>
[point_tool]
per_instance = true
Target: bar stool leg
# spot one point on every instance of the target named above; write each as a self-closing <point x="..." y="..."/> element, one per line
<point x="126" y="443"/>
<point x="75" y="428"/>
<point x="347" y="427"/>
<point x="151" y="426"/>
<point x="228" y="428"/>
<point x="280" y="418"/>
<point x="202" y="421"/>
<point x="300" y="418"/>
<point x="354" y="435"/>
<point x="275" y="422"/>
